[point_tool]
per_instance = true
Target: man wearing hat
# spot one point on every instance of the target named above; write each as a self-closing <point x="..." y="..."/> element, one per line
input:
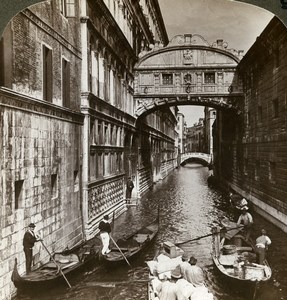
<point x="28" y="243"/>
<point x="129" y="188"/>
<point x="246" y="219"/>
<point x="191" y="272"/>
<point x="262" y="243"/>
<point x="105" y="230"/>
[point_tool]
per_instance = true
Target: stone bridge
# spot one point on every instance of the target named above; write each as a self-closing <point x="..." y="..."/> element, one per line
<point x="188" y="71"/>
<point x="205" y="157"/>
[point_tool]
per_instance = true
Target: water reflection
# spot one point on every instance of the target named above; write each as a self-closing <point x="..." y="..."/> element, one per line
<point x="188" y="209"/>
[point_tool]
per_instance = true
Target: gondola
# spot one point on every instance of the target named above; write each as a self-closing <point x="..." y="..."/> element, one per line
<point x="127" y="248"/>
<point x="235" y="259"/>
<point x="51" y="273"/>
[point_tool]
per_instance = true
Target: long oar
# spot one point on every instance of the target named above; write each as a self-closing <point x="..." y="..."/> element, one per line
<point x="56" y="264"/>
<point x="204" y="236"/>
<point x="121" y="251"/>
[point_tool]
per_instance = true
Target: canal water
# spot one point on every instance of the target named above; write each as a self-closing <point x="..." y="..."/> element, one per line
<point x="188" y="209"/>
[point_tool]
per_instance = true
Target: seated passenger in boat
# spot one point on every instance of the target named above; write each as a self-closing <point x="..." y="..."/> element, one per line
<point x="262" y="243"/>
<point x="166" y="289"/>
<point x="191" y="272"/>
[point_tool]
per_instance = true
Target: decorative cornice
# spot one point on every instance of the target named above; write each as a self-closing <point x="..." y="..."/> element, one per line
<point x="14" y="100"/>
<point x="101" y="109"/>
<point x="105" y="149"/>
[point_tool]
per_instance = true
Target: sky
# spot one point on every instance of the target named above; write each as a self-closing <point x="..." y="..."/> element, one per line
<point x="236" y="23"/>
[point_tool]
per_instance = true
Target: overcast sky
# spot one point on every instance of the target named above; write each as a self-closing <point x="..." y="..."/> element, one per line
<point x="236" y="23"/>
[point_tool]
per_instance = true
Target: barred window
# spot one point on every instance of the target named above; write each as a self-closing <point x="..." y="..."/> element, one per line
<point x="19" y="193"/>
<point x="47" y="73"/>
<point x="54" y="186"/>
<point x="209" y="77"/>
<point x="259" y="114"/>
<point x="167" y="79"/>
<point x="66" y="82"/>
<point x="275" y="104"/>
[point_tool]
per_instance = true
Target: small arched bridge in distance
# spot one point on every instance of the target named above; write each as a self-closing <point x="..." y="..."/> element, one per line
<point x="203" y="158"/>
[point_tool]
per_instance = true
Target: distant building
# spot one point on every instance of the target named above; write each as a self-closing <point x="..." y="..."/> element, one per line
<point x="209" y="118"/>
<point x="195" y="137"/>
<point x="181" y="130"/>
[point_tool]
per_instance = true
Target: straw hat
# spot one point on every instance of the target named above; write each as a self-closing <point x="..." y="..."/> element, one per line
<point x="244" y="202"/>
<point x="176" y="273"/>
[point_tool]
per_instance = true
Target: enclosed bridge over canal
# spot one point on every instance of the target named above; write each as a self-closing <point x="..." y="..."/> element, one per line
<point x="190" y="71"/>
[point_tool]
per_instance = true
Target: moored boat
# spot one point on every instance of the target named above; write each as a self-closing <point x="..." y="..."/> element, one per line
<point x="57" y="269"/>
<point x="235" y="259"/>
<point x="169" y="278"/>
<point x="127" y="248"/>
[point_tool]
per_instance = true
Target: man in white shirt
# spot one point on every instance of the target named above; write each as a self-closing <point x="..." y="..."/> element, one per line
<point x="262" y="243"/>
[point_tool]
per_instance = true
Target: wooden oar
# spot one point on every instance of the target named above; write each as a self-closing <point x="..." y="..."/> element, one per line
<point x="120" y="251"/>
<point x="204" y="236"/>
<point x="56" y="264"/>
<point x="115" y="283"/>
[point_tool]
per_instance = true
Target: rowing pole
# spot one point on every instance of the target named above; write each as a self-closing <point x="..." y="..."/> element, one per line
<point x="120" y="251"/>
<point x="56" y="264"/>
<point x="204" y="236"/>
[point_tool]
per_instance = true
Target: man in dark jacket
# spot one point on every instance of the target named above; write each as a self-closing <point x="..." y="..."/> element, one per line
<point x="28" y="244"/>
<point x="129" y="188"/>
<point x="105" y="230"/>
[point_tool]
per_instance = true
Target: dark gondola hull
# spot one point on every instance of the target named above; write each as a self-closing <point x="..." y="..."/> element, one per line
<point x="138" y="241"/>
<point x="43" y="277"/>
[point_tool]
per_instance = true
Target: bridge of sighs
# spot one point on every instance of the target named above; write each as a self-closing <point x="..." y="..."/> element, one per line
<point x="188" y="71"/>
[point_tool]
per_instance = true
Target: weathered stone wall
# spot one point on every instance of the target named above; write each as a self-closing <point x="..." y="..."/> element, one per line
<point x="40" y="153"/>
<point x="260" y="153"/>
<point x="34" y="147"/>
<point x="32" y="29"/>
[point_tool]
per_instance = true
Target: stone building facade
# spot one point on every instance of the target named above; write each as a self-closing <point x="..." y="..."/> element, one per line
<point x="181" y="130"/>
<point x="259" y="151"/>
<point x="209" y="119"/>
<point x="195" y="137"/>
<point x="69" y="134"/>
<point x="115" y="145"/>
<point x="40" y="133"/>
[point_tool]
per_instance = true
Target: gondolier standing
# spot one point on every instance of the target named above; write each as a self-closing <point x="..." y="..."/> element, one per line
<point x="28" y="243"/>
<point x="105" y="230"/>
<point x="247" y="221"/>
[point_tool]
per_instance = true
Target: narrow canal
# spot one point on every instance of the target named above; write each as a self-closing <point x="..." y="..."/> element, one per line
<point x="188" y="209"/>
